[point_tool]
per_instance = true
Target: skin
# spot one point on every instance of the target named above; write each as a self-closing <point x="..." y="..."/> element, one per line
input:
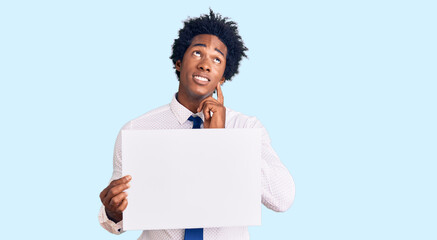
<point x="206" y="57"/>
<point x="114" y="198"/>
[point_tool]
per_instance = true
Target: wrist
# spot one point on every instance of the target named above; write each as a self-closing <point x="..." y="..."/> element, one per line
<point x="115" y="217"/>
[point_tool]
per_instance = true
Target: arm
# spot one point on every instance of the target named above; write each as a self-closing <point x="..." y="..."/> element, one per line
<point x="113" y="196"/>
<point x="278" y="189"/>
<point x="277" y="185"/>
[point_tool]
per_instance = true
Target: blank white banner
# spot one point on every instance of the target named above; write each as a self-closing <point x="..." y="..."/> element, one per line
<point x="192" y="178"/>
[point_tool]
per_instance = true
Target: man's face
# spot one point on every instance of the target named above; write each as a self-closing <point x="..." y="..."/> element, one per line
<point x="202" y="66"/>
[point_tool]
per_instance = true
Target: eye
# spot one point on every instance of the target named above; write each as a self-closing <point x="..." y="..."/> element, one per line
<point x="216" y="60"/>
<point x="196" y="53"/>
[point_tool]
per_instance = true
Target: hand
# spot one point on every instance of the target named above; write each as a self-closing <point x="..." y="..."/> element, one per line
<point x="208" y="105"/>
<point x="114" y="199"/>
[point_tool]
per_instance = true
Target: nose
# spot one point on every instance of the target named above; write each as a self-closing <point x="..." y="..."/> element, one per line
<point x="203" y="65"/>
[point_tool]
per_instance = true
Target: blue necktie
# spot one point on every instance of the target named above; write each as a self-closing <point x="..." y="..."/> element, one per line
<point x="194" y="233"/>
<point x="197" y="121"/>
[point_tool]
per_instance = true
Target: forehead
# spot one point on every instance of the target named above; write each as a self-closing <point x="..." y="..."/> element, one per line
<point x="210" y="41"/>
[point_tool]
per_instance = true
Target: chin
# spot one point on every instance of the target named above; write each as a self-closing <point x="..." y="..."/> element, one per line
<point x="201" y="93"/>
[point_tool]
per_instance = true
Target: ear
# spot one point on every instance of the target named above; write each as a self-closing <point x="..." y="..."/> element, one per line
<point x="222" y="80"/>
<point x="177" y="65"/>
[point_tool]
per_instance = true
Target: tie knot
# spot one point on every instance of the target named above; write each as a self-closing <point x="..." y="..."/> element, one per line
<point x="197" y="121"/>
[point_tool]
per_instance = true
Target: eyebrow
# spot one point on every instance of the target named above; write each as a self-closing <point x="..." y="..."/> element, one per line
<point x="204" y="45"/>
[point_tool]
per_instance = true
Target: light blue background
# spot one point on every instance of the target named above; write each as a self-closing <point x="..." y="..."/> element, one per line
<point x="346" y="89"/>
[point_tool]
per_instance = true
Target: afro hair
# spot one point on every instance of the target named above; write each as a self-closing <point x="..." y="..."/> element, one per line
<point x="218" y="26"/>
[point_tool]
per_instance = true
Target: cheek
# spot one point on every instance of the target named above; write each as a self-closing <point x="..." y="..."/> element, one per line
<point x="221" y="73"/>
<point x="223" y="68"/>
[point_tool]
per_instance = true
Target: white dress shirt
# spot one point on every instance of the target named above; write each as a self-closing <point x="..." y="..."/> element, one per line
<point x="277" y="184"/>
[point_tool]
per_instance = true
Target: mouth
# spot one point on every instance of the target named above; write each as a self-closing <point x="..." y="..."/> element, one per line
<point x="202" y="80"/>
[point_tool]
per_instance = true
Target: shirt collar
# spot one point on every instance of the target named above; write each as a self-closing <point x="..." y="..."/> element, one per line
<point x="182" y="113"/>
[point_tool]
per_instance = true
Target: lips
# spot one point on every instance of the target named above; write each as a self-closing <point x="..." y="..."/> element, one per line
<point x="202" y="80"/>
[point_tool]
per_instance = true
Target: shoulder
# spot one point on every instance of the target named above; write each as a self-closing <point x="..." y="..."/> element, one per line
<point x="149" y="119"/>
<point x="236" y="119"/>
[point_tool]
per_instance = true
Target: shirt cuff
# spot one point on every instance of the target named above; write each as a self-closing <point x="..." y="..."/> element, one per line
<point x="109" y="225"/>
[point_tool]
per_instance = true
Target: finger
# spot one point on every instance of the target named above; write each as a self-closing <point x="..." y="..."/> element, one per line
<point x="220" y="98"/>
<point x="114" y="191"/>
<point x="117" y="200"/>
<point x="105" y="192"/>
<point x="119" y="181"/>
<point x="203" y="102"/>
<point x="209" y="106"/>
<point x="122" y="206"/>
<point x="122" y="180"/>
<point x="206" y="113"/>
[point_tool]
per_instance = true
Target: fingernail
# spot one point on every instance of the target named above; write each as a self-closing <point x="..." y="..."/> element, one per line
<point x="128" y="185"/>
<point x="128" y="177"/>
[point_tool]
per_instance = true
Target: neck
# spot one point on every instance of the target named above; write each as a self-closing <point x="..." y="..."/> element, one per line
<point x="191" y="103"/>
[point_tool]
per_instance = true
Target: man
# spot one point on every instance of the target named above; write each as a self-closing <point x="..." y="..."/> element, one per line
<point x="206" y="54"/>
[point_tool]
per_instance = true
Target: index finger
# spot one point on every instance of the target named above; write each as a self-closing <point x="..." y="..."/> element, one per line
<point x="119" y="181"/>
<point x="220" y="97"/>
<point x="122" y="180"/>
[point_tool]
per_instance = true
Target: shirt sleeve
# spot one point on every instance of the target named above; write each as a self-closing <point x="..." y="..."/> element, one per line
<point x="277" y="185"/>
<point x="109" y="225"/>
<point x="105" y="222"/>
